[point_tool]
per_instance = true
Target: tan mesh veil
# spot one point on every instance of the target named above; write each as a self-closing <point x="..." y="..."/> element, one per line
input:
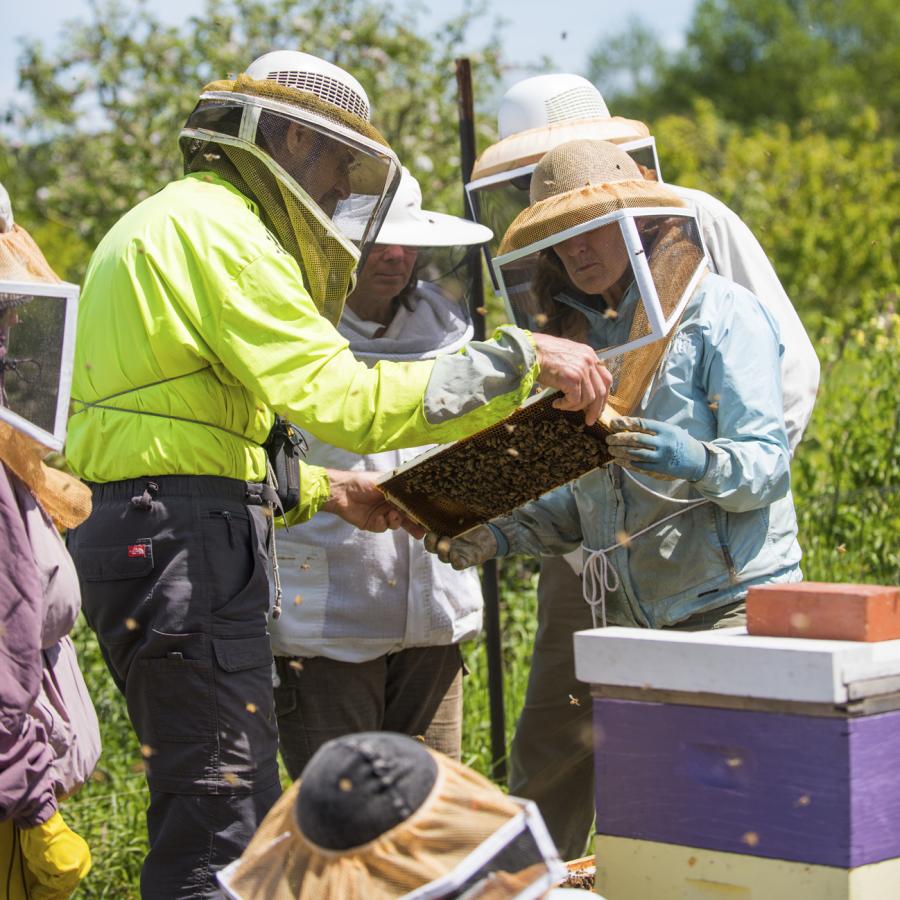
<point x="673" y="264"/>
<point x="577" y="183"/>
<point x="66" y="500"/>
<point x="21" y="258"/>
<point x="327" y="259"/>
<point x="462" y="810"/>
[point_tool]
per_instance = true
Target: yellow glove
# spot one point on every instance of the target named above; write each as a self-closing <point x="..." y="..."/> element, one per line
<point x="56" y="857"/>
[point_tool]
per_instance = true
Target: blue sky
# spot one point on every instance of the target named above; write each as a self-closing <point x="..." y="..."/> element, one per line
<point x="567" y="38"/>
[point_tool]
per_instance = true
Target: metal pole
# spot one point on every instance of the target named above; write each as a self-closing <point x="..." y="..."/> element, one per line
<point x="490" y="581"/>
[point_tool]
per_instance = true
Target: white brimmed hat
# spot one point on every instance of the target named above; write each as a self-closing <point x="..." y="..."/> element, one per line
<point x="408" y="224"/>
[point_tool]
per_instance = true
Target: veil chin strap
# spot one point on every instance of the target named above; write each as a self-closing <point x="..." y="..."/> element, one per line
<point x="600" y="576"/>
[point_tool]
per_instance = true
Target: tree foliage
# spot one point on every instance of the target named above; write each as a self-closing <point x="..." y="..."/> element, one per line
<point x="822" y="207"/>
<point x="784" y="109"/>
<point x="99" y="128"/>
<point x="759" y="60"/>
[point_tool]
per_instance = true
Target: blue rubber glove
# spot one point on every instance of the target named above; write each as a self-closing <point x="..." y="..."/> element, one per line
<point x="663" y="450"/>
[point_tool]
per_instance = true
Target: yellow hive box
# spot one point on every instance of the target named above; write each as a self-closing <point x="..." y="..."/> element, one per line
<point x="629" y="869"/>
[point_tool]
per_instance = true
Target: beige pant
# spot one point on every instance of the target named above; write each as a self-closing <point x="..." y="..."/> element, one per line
<point x="551" y="759"/>
<point x="416" y="692"/>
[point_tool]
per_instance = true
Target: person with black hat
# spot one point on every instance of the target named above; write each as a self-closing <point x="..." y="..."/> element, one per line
<point x="379" y="815"/>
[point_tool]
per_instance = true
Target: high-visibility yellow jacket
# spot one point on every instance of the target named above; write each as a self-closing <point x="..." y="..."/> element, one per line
<point x="194" y="327"/>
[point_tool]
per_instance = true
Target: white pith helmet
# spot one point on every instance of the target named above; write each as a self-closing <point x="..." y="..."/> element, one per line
<point x="408" y="224"/>
<point x="540" y="113"/>
<point x="306" y="72"/>
<point x="547" y="99"/>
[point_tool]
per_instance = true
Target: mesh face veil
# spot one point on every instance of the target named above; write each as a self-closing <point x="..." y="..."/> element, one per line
<point x="602" y="256"/>
<point x="37" y="330"/>
<point x="463" y="838"/>
<point x="302" y="159"/>
<point x="442" y="244"/>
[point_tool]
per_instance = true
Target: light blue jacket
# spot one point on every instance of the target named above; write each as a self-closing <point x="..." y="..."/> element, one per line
<point x="720" y="381"/>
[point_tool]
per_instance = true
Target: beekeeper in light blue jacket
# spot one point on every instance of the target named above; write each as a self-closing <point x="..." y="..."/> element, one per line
<point x="369" y="636"/>
<point x="696" y="506"/>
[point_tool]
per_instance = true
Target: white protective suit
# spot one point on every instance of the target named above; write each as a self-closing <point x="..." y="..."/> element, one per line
<point x="363" y="594"/>
<point x="736" y="254"/>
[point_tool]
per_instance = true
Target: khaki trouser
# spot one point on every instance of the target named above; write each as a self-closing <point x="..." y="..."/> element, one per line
<point x="551" y="759"/>
<point x="417" y="691"/>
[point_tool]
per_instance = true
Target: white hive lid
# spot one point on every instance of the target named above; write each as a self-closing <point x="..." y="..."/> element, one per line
<point x="733" y="663"/>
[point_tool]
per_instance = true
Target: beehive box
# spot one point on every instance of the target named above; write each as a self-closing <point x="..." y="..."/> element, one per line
<point x="777" y="749"/>
<point x="813" y="789"/>
<point x="644" y="870"/>
<point x="538" y="448"/>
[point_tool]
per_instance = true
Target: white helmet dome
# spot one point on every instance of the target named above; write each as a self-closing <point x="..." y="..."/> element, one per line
<point x="306" y="72"/>
<point x="549" y="99"/>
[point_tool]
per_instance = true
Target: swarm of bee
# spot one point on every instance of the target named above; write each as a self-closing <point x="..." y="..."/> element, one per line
<point x="497" y="470"/>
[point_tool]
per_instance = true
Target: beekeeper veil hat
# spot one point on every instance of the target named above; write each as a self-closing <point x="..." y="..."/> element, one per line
<point x="293" y="134"/>
<point x="410" y="225"/>
<point x="625" y="293"/>
<point x="379" y="815"/>
<point x="37" y="325"/>
<point x="536" y="115"/>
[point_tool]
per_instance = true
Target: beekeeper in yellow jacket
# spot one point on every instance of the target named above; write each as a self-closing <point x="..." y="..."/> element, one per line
<point x="206" y="310"/>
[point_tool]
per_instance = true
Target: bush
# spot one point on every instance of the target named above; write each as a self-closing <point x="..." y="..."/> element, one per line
<point x="847" y="469"/>
<point x="820" y="206"/>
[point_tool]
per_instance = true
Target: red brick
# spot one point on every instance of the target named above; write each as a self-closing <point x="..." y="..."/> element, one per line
<point x="810" y="609"/>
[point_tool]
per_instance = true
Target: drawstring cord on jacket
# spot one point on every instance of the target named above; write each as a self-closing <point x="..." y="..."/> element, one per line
<point x="273" y="503"/>
<point x="600" y="576"/>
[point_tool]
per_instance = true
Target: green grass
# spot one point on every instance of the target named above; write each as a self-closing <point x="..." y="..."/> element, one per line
<point x="109" y="811"/>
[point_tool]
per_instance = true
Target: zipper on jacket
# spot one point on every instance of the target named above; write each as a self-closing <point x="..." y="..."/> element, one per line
<point x="719" y="517"/>
<point x="636" y="613"/>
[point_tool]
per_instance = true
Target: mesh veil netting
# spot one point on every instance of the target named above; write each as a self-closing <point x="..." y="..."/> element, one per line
<point x="327" y="261"/>
<point x="578" y="182"/>
<point x="462" y="810"/>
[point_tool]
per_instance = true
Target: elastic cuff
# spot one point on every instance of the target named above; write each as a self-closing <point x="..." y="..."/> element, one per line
<point x="524" y="340"/>
<point x="43" y="815"/>
<point x="500" y="538"/>
<point x="706" y="465"/>
<point x="718" y="464"/>
<point x="315" y="491"/>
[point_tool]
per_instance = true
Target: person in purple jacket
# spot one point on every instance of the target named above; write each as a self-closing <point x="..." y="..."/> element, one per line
<point x="49" y="738"/>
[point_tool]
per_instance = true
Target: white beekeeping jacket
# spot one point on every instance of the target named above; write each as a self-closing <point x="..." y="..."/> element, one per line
<point x="737" y="255"/>
<point x="362" y="595"/>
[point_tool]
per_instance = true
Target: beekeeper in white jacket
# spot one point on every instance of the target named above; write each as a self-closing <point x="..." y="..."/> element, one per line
<point x="371" y="625"/>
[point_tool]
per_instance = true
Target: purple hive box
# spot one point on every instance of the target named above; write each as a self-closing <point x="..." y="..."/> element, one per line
<point x="816" y="790"/>
<point x="698" y="742"/>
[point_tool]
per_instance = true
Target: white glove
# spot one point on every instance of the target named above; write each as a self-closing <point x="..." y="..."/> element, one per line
<point x="470" y="549"/>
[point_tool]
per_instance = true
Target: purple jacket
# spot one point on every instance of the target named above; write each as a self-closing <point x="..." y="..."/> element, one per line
<point x="40" y="739"/>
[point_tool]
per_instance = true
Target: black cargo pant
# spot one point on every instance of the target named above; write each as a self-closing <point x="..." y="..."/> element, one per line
<point x="174" y="581"/>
